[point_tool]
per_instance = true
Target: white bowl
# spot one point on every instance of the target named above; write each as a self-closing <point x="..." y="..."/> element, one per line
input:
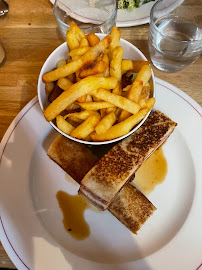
<point x="130" y="52"/>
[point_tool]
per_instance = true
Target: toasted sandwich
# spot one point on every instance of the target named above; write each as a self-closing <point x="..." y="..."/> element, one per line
<point x="130" y="206"/>
<point x="116" y="168"/>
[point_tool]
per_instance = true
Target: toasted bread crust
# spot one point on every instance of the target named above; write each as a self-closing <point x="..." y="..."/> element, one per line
<point x="116" y="167"/>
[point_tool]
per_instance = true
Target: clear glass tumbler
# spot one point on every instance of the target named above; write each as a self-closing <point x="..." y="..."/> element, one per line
<point x="97" y="16"/>
<point x="175" y="37"/>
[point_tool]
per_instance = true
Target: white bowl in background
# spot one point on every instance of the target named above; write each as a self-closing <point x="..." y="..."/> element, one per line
<point x="130" y="52"/>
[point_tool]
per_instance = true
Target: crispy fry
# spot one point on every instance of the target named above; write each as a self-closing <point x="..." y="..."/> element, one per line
<point x="63" y="125"/>
<point x="75" y="91"/>
<point x="117" y="90"/>
<point x="106" y="123"/>
<point x="134" y="66"/>
<point x="82" y="98"/>
<point x="147" y="103"/>
<point x="133" y="94"/>
<point x="127" y="88"/>
<point x="121" y="128"/>
<point x="61" y="63"/>
<point x="94" y="106"/>
<point x="72" y="107"/>
<point x="106" y="60"/>
<point x="92" y="69"/>
<point x="64" y="83"/>
<point x="116" y="100"/>
<point x="77" y="31"/>
<point x="49" y="87"/>
<point x="92" y="39"/>
<point x="84" y="42"/>
<point x="72" y="40"/>
<point x="78" y="52"/>
<point x="87" y="127"/>
<point x="73" y="66"/>
<point x="115" y="35"/>
<point x="144" y="74"/>
<point x="83" y="115"/>
<point x="115" y="64"/>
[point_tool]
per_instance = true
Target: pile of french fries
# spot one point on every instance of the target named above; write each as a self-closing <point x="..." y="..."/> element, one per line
<point x="86" y="93"/>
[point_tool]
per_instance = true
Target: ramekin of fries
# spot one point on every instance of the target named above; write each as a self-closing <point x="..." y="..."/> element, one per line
<point x="96" y="88"/>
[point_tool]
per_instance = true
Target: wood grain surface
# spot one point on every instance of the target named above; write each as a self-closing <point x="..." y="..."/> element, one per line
<point x="29" y="33"/>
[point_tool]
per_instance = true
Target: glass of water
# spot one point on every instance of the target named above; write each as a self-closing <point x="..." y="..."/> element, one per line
<point x="175" y="35"/>
<point x="97" y="16"/>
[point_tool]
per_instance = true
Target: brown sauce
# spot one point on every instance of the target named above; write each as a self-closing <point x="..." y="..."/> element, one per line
<point x="73" y="208"/>
<point x="152" y="172"/>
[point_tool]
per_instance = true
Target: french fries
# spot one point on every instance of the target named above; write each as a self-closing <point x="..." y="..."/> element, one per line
<point x="92" y="39"/>
<point x="73" y="66"/>
<point x="91" y="96"/>
<point x="115" y="64"/>
<point x="92" y="69"/>
<point x="86" y="128"/>
<point x="94" y="106"/>
<point x="64" y="83"/>
<point x="116" y="100"/>
<point x="121" y="128"/>
<point x="75" y="91"/>
<point x="63" y="125"/>
<point x="106" y="122"/>
<point x="134" y="66"/>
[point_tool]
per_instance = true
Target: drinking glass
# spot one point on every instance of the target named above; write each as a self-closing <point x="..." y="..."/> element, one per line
<point x="175" y="38"/>
<point x="97" y="16"/>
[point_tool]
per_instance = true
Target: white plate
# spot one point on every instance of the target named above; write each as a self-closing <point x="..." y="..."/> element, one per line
<point x="137" y="16"/>
<point x="31" y="228"/>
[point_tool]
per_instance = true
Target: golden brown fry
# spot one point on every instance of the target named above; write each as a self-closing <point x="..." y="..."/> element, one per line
<point x="77" y="31"/>
<point x="117" y="90"/>
<point x="64" y="83"/>
<point x="93" y="69"/>
<point x="75" y="91"/>
<point x="75" y="119"/>
<point x="115" y="35"/>
<point x="83" y="115"/>
<point x="82" y="98"/>
<point x="72" y="107"/>
<point x="92" y="39"/>
<point x="121" y="128"/>
<point x="116" y="100"/>
<point x="115" y="64"/>
<point x="73" y="66"/>
<point x="87" y="127"/>
<point x="149" y="103"/>
<point x="72" y="40"/>
<point x="144" y="74"/>
<point x="49" y="87"/>
<point x="106" y="60"/>
<point x="79" y="51"/>
<point x="84" y="42"/>
<point x="61" y="63"/>
<point x="133" y="94"/>
<point x="134" y="66"/>
<point x="106" y="123"/>
<point x="94" y="106"/>
<point x="145" y="91"/>
<point x="63" y="125"/>
<point x="127" y="88"/>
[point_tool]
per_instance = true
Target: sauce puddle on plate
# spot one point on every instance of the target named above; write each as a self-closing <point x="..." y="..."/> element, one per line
<point x="152" y="172"/>
<point x="73" y="208"/>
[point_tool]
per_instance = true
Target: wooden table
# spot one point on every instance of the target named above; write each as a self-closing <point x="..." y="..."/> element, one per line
<point x="30" y="33"/>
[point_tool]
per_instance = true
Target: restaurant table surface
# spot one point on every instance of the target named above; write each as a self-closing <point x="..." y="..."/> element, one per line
<point x="30" y="33"/>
